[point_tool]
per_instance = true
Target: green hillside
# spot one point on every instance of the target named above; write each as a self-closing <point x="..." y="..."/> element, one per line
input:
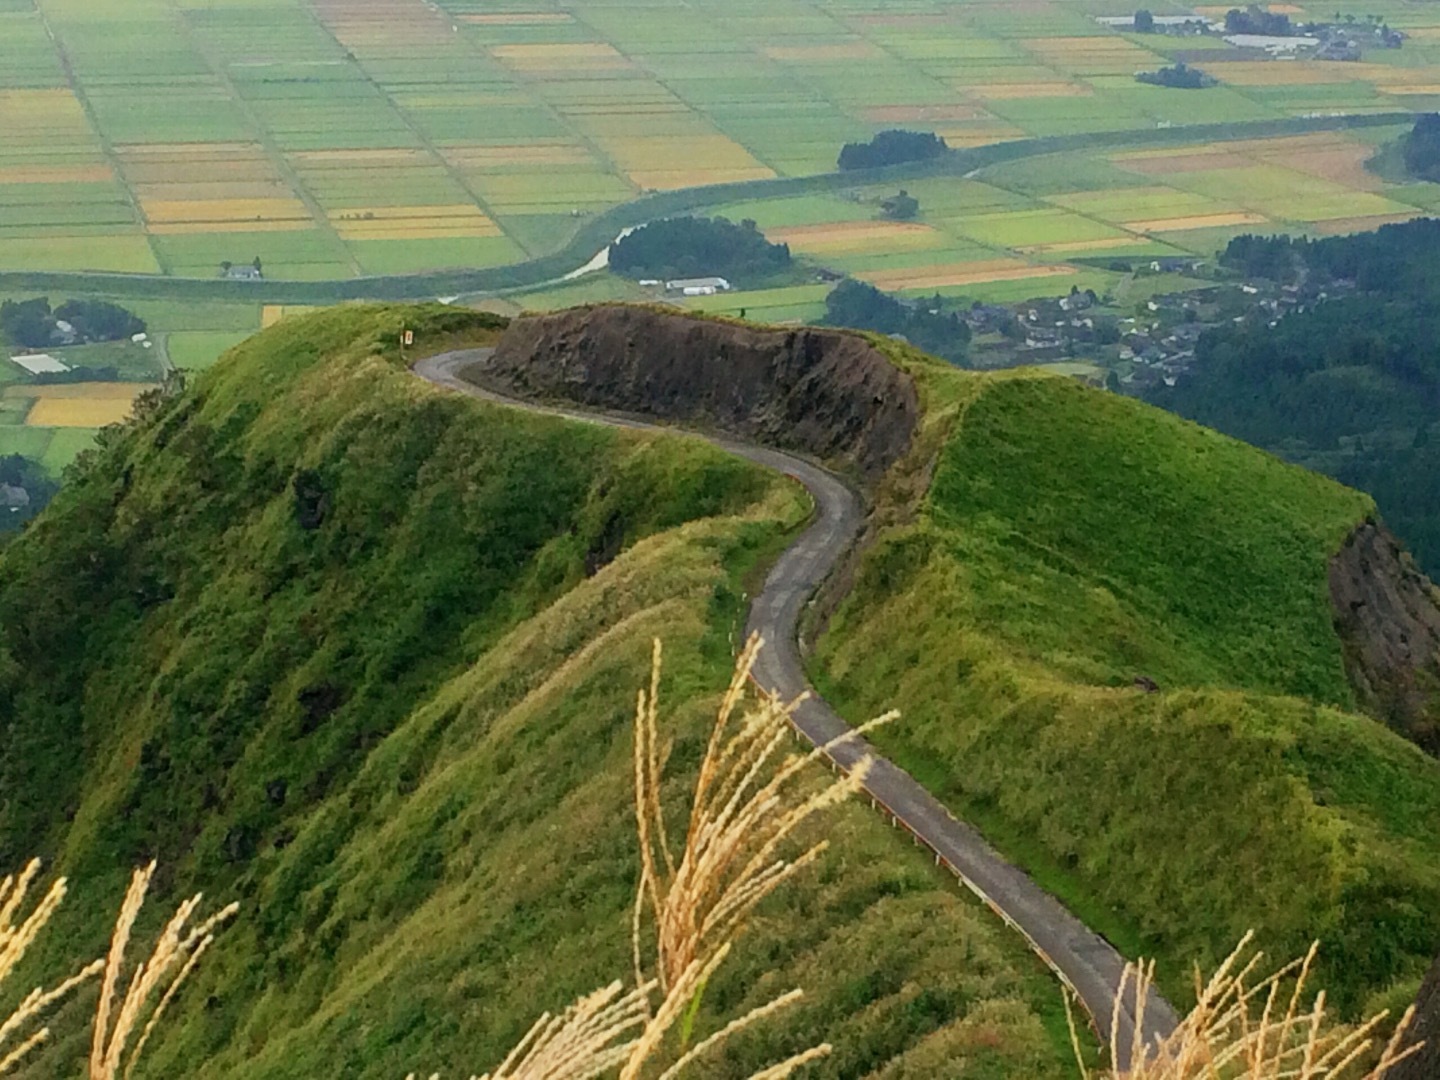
<point x="1073" y="542"/>
<point x="362" y="656"/>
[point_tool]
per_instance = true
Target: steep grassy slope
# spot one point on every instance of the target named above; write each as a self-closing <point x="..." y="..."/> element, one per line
<point x="362" y="656"/>
<point x="1074" y="542"/>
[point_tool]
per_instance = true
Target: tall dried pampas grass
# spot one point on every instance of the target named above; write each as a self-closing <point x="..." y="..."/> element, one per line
<point x="748" y="803"/>
<point x="1248" y="1027"/>
<point x="16" y="937"/>
<point x="173" y="958"/>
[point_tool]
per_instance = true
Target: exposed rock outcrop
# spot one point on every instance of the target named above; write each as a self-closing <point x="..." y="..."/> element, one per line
<point x="827" y="394"/>
<point x="1424" y="1065"/>
<point x="1387" y="614"/>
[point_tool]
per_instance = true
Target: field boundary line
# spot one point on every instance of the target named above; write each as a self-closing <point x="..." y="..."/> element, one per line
<point x="599" y="231"/>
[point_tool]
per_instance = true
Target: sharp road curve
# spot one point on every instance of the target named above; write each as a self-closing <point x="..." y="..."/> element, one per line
<point x="1084" y="960"/>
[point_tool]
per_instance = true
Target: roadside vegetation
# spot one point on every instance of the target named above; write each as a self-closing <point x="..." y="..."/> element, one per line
<point x="361" y="655"/>
<point x="1109" y="633"/>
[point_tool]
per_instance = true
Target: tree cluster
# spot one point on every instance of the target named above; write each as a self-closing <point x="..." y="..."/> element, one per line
<point x="893" y="147"/>
<point x="1393" y="260"/>
<point x="32" y="324"/>
<point x="900" y="207"/>
<point x="685" y="247"/>
<point x="1256" y="20"/>
<point x="1422" y="148"/>
<point x="1350" y="386"/>
<point x="864" y="307"/>
<point x="1144" y="21"/>
<point x="1179" y="77"/>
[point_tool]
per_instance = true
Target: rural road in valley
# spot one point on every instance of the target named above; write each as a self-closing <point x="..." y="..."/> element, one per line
<point x="1087" y="962"/>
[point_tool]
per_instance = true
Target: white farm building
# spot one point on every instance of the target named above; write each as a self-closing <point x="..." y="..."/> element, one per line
<point x="703" y="286"/>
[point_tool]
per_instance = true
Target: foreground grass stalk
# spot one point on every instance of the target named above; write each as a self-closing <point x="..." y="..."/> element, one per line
<point x="15" y="941"/>
<point x="1246" y="1027"/>
<point x="174" y="956"/>
<point x="748" y="803"/>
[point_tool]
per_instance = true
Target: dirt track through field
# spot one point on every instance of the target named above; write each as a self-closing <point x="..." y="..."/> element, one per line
<point x="1083" y="960"/>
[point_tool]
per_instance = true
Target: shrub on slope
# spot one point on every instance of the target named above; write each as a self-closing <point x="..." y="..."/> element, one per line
<point x="362" y="656"/>
<point x="1073" y="542"/>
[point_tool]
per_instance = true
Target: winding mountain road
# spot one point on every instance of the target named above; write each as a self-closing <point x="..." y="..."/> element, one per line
<point x="1084" y="960"/>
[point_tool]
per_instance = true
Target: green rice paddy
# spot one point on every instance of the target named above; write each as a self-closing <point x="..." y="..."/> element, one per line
<point x="144" y="137"/>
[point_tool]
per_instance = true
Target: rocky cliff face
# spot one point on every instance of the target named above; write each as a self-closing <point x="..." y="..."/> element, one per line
<point x="827" y="394"/>
<point x="1387" y="614"/>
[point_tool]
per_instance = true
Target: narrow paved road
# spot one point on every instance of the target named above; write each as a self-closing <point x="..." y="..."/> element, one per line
<point x="1086" y="961"/>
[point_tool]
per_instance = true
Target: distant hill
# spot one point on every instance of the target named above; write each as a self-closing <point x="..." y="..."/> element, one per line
<point x="362" y="655"/>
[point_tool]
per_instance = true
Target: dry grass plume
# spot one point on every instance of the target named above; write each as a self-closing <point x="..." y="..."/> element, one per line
<point x="172" y="959"/>
<point x="691" y="903"/>
<point x="1245" y="1026"/>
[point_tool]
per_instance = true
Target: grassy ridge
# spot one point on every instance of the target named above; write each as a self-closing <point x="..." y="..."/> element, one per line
<point x="1073" y="542"/>
<point x="362" y="656"/>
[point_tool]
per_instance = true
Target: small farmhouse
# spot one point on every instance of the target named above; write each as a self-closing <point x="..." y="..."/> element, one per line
<point x="705" y="286"/>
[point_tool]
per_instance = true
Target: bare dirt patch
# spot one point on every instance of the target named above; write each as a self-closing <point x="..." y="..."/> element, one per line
<point x="829" y="394"/>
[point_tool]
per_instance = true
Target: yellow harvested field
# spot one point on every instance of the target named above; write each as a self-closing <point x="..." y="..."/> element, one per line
<point x="1014" y="91"/>
<point x="963" y="138"/>
<point x="855" y="236"/>
<point x="1066" y="246"/>
<point x="92" y="413"/>
<point x="271" y="314"/>
<point x="53" y="110"/>
<point x="219" y="211"/>
<point x="79" y="404"/>
<point x="69" y="391"/>
<point x="1197" y="221"/>
<point x="56" y="174"/>
<point x="1417" y="88"/>
<point x="801" y="54"/>
<point x="968" y="273"/>
<point x="486" y="157"/>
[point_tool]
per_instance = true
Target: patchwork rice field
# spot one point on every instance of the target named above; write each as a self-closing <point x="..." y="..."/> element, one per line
<point x="334" y="139"/>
